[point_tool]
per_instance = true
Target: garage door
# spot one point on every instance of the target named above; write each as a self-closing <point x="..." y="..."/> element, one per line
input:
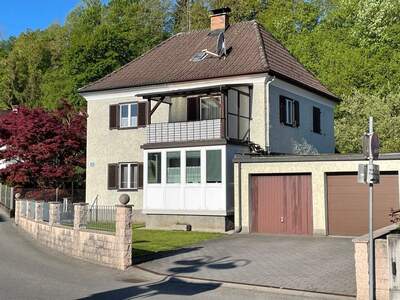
<point x="281" y="204"/>
<point x="348" y="203"/>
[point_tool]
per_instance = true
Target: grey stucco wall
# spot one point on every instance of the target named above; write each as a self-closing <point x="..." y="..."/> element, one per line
<point x="283" y="138"/>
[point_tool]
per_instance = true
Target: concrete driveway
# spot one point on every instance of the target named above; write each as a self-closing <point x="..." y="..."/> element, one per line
<point x="324" y="265"/>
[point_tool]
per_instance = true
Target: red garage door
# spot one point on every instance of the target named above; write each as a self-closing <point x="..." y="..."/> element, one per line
<point x="281" y="204"/>
<point x="348" y="203"/>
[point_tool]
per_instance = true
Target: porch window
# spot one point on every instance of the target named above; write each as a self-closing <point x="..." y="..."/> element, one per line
<point x="210" y="108"/>
<point x="128" y="176"/>
<point x="173" y="167"/>
<point x="128" y="115"/>
<point x="154" y="167"/>
<point x="239" y="114"/>
<point x="203" y="108"/>
<point x="213" y="166"/>
<point x="193" y="168"/>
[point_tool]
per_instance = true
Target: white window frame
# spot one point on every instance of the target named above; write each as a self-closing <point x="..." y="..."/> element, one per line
<point x="129" y="105"/>
<point x="289" y="111"/>
<point x="129" y="187"/>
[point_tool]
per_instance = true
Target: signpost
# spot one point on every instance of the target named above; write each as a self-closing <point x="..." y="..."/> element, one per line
<point x="369" y="174"/>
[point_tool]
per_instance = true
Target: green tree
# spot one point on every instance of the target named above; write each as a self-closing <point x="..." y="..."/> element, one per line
<point x="352" y="121"/>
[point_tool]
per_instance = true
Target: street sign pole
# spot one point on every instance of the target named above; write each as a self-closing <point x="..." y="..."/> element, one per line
<point x="370" y="212"/>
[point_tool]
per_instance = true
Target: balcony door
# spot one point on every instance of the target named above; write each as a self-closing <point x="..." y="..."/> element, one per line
<point x="203" y="108"/>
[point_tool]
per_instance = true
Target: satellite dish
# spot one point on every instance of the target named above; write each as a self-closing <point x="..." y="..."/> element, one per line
<point x="221" y="50"/>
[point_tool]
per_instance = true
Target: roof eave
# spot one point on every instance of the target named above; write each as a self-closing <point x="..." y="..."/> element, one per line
<point x="305" y="86"/>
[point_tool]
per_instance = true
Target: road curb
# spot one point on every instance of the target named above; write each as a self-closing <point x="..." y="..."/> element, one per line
<point x="261" y="288"/>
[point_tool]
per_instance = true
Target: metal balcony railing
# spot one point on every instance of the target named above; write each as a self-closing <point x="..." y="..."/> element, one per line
<point x="185" y="131"/>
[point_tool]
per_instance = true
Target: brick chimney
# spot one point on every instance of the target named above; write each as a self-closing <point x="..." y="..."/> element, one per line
<point x="220" y="18"/>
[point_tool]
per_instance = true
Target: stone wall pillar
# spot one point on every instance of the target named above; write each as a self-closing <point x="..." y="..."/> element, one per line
<point x="80" y="215"/>
<point x="54" y="213"/>
<point x="18" y="206"/>
<point x="30" y="209"/>
<point x="39" y="211"/>
<point x="123" y="236"/>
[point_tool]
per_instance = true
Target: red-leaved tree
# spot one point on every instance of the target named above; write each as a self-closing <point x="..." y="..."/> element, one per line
<point x="44" y="149"/>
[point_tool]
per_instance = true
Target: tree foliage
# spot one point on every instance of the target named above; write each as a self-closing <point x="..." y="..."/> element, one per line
<point x="352" y="46"/>
<point x="45" y="149"/>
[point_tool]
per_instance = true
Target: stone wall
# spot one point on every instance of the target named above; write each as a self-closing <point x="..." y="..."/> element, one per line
<point x="113" y="250"/>
<point x="381" y="264"/>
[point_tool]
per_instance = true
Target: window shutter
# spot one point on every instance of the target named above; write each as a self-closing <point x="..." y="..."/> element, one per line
<point x="114" y="116"/>
<point x="113" y="176"/>
<point x="282" y="109"/>
<point x="140" y="179"/>
<point x="296" y="114"/>
<point x="316" y="120"/>
<point x="142" y="113"/>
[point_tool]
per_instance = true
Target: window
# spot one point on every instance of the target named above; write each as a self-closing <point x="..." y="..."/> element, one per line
<point x="203" y="108"/>
<point x="213" y="166"/>
<point x="316" y="120"/>
<point x="128" y="176"/>
<point x="289" y="112"/>
<point x="154" y="167"/>
<point x="173" y="167"/>
<point x="128" y="115"/>
<point x="239" y="114"/>
<point x="125" y="176"/>
<point x="210" y="108"/>
<point x="193" y="169"/>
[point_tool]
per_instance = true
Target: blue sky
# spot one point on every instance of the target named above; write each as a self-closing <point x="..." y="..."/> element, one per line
<point x="17" y="16"/>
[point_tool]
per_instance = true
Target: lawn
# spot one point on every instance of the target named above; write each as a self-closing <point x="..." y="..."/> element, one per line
<point x="146" y="241"/>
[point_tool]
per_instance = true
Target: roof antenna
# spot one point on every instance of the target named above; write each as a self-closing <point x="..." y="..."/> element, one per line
<point x="221" y="49"/>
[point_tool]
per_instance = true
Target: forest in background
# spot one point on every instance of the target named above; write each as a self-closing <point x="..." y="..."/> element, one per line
<point x="352" y="46"/>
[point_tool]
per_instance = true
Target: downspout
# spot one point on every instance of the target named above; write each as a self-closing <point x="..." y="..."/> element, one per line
<point x="239" y="228"/>
<point x="267" y="125"/>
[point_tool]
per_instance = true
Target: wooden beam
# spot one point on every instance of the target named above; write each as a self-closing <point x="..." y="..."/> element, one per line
<point x="161" y="100"/>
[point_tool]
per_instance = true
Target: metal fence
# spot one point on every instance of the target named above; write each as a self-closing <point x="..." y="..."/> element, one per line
<point x="67" y="213"/>
<point x="101" y="217"/>
<point x="51" y="194"/>
<point x="7" y="197"/>
<point x="46" y="210"/>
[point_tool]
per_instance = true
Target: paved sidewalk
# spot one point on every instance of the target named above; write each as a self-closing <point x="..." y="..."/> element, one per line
<point x="324" y="265"/>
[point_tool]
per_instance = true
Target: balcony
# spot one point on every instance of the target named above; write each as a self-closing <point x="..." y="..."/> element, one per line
<point x="185" y="131"/>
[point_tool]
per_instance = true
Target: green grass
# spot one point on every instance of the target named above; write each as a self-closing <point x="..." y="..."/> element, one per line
<point x="102" y="226"/>
<point x="148" y="241"/>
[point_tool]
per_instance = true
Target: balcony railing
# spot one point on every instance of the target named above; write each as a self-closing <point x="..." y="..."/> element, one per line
<point x="185" y="131"/>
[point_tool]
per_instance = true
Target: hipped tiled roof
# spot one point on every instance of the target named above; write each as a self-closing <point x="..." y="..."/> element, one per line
<point x="252" y="50"/>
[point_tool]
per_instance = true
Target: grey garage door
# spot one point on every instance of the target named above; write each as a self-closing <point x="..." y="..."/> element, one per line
<point x="348" y="203"/>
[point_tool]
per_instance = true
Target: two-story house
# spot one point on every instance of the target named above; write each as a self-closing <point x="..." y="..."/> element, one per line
<point x="165" y="127"/>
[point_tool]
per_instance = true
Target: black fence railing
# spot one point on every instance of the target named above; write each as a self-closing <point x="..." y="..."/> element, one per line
<point x="67" y="213"/>
<point x="101" y="217"/>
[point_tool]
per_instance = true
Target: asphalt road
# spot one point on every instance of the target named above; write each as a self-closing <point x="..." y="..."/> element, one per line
<point x="30" y="271"/>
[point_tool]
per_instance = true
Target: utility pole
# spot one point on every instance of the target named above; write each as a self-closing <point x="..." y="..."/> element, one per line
<point x="369" y="174"/>
<point x="371" y="257"/>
